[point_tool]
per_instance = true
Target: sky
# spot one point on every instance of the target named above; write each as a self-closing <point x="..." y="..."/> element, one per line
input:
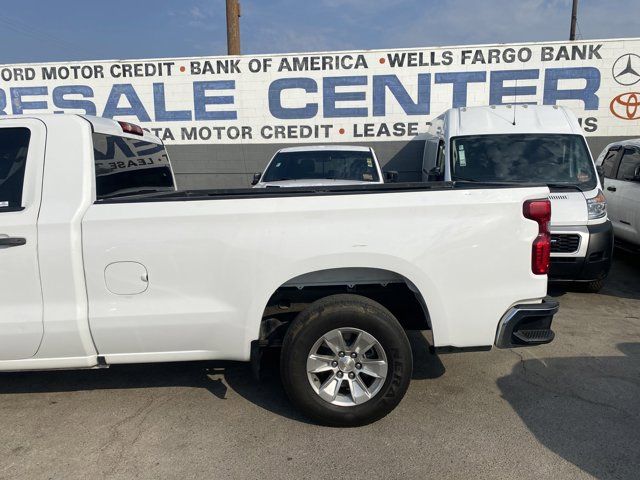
<point x="67" y="30"/>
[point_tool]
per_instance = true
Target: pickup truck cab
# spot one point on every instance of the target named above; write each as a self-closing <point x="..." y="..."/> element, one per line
<point x="104" y="262"/>
<point x="620" y="162"/>
<point x="531" y="143"/>
<point x="322" y="165"/>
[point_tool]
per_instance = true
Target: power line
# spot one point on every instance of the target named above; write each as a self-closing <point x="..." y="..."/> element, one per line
<point x="579" y="34"/>
<point x="40" y="35"/>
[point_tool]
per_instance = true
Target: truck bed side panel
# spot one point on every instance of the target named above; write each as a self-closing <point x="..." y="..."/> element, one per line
<point x="212" y="265"/>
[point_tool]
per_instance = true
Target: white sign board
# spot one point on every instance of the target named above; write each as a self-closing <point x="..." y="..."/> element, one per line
<point x="335" y="96"/>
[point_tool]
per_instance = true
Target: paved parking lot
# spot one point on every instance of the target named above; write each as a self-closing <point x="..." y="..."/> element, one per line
<point x="566" y="410"/>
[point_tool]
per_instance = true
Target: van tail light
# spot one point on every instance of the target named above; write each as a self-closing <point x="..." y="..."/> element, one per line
<point x="131" y="128"/>
<point x="540" y="212"/>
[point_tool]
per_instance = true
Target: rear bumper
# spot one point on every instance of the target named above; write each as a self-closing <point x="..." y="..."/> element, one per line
<point x="527" y="325"/>
<point x="596" y="263"/>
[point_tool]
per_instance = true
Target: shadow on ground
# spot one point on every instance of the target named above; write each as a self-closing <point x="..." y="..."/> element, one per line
<point x="584" y="409"/>
<point x="214" y="377"/>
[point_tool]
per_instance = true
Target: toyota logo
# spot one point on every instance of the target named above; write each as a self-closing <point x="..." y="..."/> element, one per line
<point x="626" y="69"/>
<point x="626" y="106"/>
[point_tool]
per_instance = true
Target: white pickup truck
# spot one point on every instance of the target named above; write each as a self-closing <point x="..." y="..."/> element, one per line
<point x="104" y="262"/>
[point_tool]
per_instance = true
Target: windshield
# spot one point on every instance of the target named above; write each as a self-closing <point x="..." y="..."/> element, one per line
<point x="125" y="166"/>
<point x="322" y="164"/>
<point x="556" y="160"/>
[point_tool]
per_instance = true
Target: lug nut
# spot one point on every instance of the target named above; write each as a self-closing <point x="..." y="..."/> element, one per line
<point x="341" y="354"/>
<point x="339" y="374"/>
<point x="352" y="375"/>
<point x="334" y="364"/>
<point x="358" y="366"/>
<point x="354" y="355"/>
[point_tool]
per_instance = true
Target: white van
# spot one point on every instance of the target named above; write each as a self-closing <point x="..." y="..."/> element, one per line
<point x="531" y="144"/>
<point x="620" y="162"/>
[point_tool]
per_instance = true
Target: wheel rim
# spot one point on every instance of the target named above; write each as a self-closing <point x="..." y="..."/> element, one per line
<point x="347" y="367"/>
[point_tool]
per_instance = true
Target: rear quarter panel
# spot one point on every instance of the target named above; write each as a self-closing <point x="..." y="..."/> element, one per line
<point x="213" y="264"/>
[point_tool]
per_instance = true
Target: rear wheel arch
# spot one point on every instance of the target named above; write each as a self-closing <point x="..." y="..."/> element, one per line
<point x="392" y="290"/>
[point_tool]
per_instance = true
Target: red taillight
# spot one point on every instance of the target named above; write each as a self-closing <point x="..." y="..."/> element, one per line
<point x="541" y="254"/>
<point x="540" y="212"/>
<point x="131" y="128"/>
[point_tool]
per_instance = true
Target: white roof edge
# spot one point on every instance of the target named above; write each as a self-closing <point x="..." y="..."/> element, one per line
<point x="108" y="126"/>
<point x="497" y="119"/>
<point x="319" y="148"/>
<point x="102" y="125"/>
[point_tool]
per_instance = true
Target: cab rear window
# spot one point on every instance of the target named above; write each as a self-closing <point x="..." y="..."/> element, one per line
<point x="126" y="166"/>
<point x="14" y="145"/>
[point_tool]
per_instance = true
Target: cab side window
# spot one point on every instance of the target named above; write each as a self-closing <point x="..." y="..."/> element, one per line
<point x="610" y="163"/>
<point x="14" y="144"/>
<point x="629" y="164"/>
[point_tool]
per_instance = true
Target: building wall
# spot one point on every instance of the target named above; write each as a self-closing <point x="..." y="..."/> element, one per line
<point x="224" y="166"/>
<point x="222" y="118"/>
<point x="211" y="166"/>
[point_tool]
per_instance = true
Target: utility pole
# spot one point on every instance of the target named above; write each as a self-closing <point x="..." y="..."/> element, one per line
<point x="233" y="27"/>
<point x="574" y="20"/>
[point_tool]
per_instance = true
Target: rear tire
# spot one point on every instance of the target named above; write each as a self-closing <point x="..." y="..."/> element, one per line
<point x="348" y="382"/>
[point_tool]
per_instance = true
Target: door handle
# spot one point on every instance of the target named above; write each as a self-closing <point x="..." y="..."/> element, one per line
<point x="8" y="242"/>
<point x="611" y="189"/>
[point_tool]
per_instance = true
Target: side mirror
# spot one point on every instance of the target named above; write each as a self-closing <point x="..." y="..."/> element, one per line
<point x="391" y="176"/>
<point x="636" y="174"/>
<point x="256" y="178"/>
<point x="600" y="171"/>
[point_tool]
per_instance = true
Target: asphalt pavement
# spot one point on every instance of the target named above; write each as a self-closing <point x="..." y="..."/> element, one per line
<point x="567" y="410"/>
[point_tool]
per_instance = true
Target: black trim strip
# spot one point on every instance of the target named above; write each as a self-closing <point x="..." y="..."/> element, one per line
<point x="11" y="209"/>
<point x="450" y="349"/>
<point x="240" y="193"/>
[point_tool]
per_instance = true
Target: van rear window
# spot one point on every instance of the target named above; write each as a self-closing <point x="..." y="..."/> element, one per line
<point x="126" y="166"/>
<point x="14" y="145"/>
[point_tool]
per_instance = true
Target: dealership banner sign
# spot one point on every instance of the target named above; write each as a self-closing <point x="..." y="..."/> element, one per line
<point x="335" y="96"/>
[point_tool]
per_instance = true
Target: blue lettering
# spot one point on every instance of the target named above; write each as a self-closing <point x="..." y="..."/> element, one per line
<point x="160" y="107"/>
<point x="59" y="100"/>
<point x="460" y="80"/>
<point x="419" y="107"/>
<point x="201" y="100"/>
<point x="19" y="106"/>
<point x="136" y="108"/>
<point x="587" y="94"/>
<point x="309" y="85"/>
<point x="497" y="90"/>
<point x="330" y="97"/>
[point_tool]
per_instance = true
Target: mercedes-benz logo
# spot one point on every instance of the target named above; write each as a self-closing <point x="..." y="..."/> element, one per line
<point x="626" y="69"/>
